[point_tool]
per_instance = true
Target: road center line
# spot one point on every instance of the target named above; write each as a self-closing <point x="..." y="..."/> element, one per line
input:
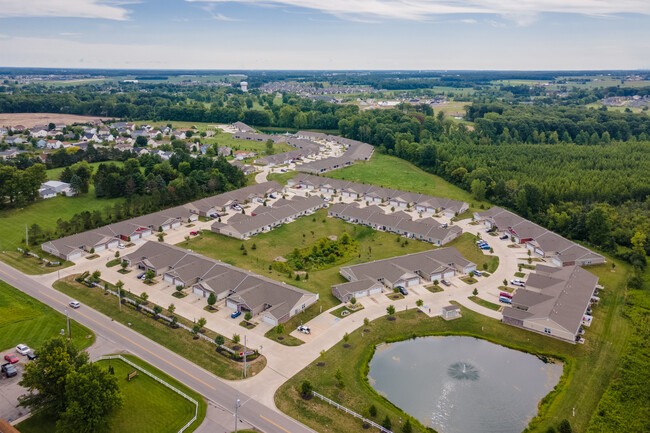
<point x="133" y="342"/>
<point x="269" y="421"/>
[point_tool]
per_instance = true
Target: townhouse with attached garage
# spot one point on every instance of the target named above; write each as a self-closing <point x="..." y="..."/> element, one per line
<point x="405" y="271"/>
<point x="376" y="194"/>
<point x="265" y="218"/>
<point x="540" y="241"/>
<point x="272" y="301"/>
<point x="556" y="302"/>
<point x="218" y="204"/>
<point x="401" y="223"/>
<point x="133" y="230"/>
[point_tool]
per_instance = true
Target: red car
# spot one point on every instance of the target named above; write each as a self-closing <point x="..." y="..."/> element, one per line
<point x="194" y="233"/>
<point x="10" y="357"/>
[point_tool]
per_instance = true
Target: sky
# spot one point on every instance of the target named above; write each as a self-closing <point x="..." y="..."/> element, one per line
<point x="326" y="34"/>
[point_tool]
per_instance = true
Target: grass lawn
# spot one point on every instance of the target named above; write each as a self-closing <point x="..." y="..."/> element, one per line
<point x="588" y="371"/>
<point x="284" y="337"/>
<point x="24" y="320"/>
<point x="180" y="341"/>
<point x="281" y="178"/>
<point x="340" y="310"/>
<point x="302" y="233"/>
<point x="484" y="303"/>
<point x="466" y="245"/>
<point x="225" y="139"/>
<point x="391" y="172"/>
<point x="45" y="213"/>
<point x="31" y="265"/>
<point x="149" y="407"/>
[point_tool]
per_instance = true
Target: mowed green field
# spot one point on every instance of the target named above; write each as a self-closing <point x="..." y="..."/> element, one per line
<point x="45" y="213"/>
<point x="24" y="320"/>
<point x="149" y="407"/>
<point x="392" y="172"/>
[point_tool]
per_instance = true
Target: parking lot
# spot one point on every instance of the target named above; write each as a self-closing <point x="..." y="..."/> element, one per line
<point x="10" y="390"/>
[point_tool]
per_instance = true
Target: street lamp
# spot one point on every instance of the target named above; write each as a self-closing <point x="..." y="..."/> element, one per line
<point x="239" y="404"/>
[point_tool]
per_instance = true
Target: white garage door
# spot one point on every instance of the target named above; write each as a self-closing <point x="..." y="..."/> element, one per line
<point x="74" y="255"/>
<point x="270" y="320"/>
<point x="437" y="276"/>
<point x="231" y="304"/>
<point x="113" y="244"/>
<point x="412" y="282"/>
<point x="176" y="224"/>
<point x="99" y="248"/>
<point x="198" y="291"/>
<point x="169" y="279"/>
<point x="375" y="291"/>
<point x="449" y="274"/>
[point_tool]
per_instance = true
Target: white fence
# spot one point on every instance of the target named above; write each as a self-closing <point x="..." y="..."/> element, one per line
<point x="168" y="319"/>
<point x="157" y="379"/>
<point x="354" y="414"/>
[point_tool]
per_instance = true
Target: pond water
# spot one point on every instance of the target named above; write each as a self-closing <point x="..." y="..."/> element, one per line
<point x="462" y="384"/>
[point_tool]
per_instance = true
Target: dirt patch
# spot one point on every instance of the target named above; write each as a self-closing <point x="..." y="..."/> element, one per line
<point x="320" y="364"/>
<point x="30" y="120"/>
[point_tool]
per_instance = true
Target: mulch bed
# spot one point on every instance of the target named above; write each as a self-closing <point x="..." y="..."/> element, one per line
<point x="320" y="364"/>
<point x="391" y="318"/>
<point x="346" y="345"/>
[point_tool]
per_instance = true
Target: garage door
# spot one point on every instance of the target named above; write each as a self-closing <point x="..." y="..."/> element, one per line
<point x="99" y="248"/>
<point x="198" y="291"/>
<point x="412" y="282"/>
<point x="169" y="279"/>
<point x="74" y="255"/>
<point x="375" y="291"/>
<point x="449" y="274"/>
<point x="231" y="304"/>
<point x="437" y="276"/>
<point x="113" y="244"/>
<point x="270" y="320"/>
<point x="176" y="224"/>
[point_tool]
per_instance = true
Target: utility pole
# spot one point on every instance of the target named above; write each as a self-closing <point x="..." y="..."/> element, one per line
<point x="67" y="319"/>
<point x="245" y="372"/>
<point x="26" y="236"/>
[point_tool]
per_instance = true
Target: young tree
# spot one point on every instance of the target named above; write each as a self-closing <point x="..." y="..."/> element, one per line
<point x="91" y="394"/>
<point x="157" y="309"/>
<point x="366" y="321"/>
<point x="220" y="340"/>
<point x="419" y="302"/>
<point x="201" y="322"/>
<point x="179" y="289"/>
<point x="212" y="299"/>
<point x="372" y="410"/>
<point x="565" y="427"/>
<point x="407" y="428"/>
<point x="346" y="337"/>
<point x="149" y="276"/>
<point x="236" y="338"/>
<point x="306" y="388"/>
<point x="248" y="316"/>
<point x="475" y="291"/>
<point x="124" y="264"/>
<point x="390" y="310"/>
<point x="171" y="309"/>
<point x="280" y="328"/>
<point x="386" y="423"/>
<point x="95" y="276"/>
<point x="353" y="300"/>
<point x="144" y="297"/>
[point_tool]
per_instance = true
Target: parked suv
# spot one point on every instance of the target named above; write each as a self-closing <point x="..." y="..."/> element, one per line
<point x="9" y="370"/>
<point x="402" y="290"/>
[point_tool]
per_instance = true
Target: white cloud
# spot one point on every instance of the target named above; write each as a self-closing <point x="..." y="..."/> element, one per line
<point x="209" y="8"/>
<point x="468" y="21"/>
<point x="521" y="11"/>
<point x="106" y="9"/>
<point x="70" y="34"/>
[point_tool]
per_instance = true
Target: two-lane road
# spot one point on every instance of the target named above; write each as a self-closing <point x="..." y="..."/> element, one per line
<point x="224" y="394"/>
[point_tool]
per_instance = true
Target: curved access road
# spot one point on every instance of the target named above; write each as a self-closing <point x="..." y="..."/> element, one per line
<point x="186" y="372"/>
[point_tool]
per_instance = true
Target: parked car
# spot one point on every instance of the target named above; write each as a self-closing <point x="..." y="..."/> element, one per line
<point x="444" y="226"/>
<point x="214" y="215"/>
<point x="505" y="295"/>
<point x="75" y="304"/>
<point x="141" y="275"/>
<point x="283" y="170"/>
<point x="478" y="273"/>
<point x="484" y="247"/>
<point x="236" y="207"/>
<point x="121" y="246"/>
<point x="402" y="290"/>
<point x="505" y="300"/>
<point x="22" y="349"/>
<point x="304" y="329"/>
<point x="11" y="358"/>
<point x="445" y="282"/>
<point x="518" y="283"/>
<point x="31" y="355"/>
<point x="503" y="237"/>
<point x="194" y="233"/>
<point x="326" y="199"/>
<point x="9" y="370"/>
<point x="271" y="196"/>
<point x="236" y="314"/>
